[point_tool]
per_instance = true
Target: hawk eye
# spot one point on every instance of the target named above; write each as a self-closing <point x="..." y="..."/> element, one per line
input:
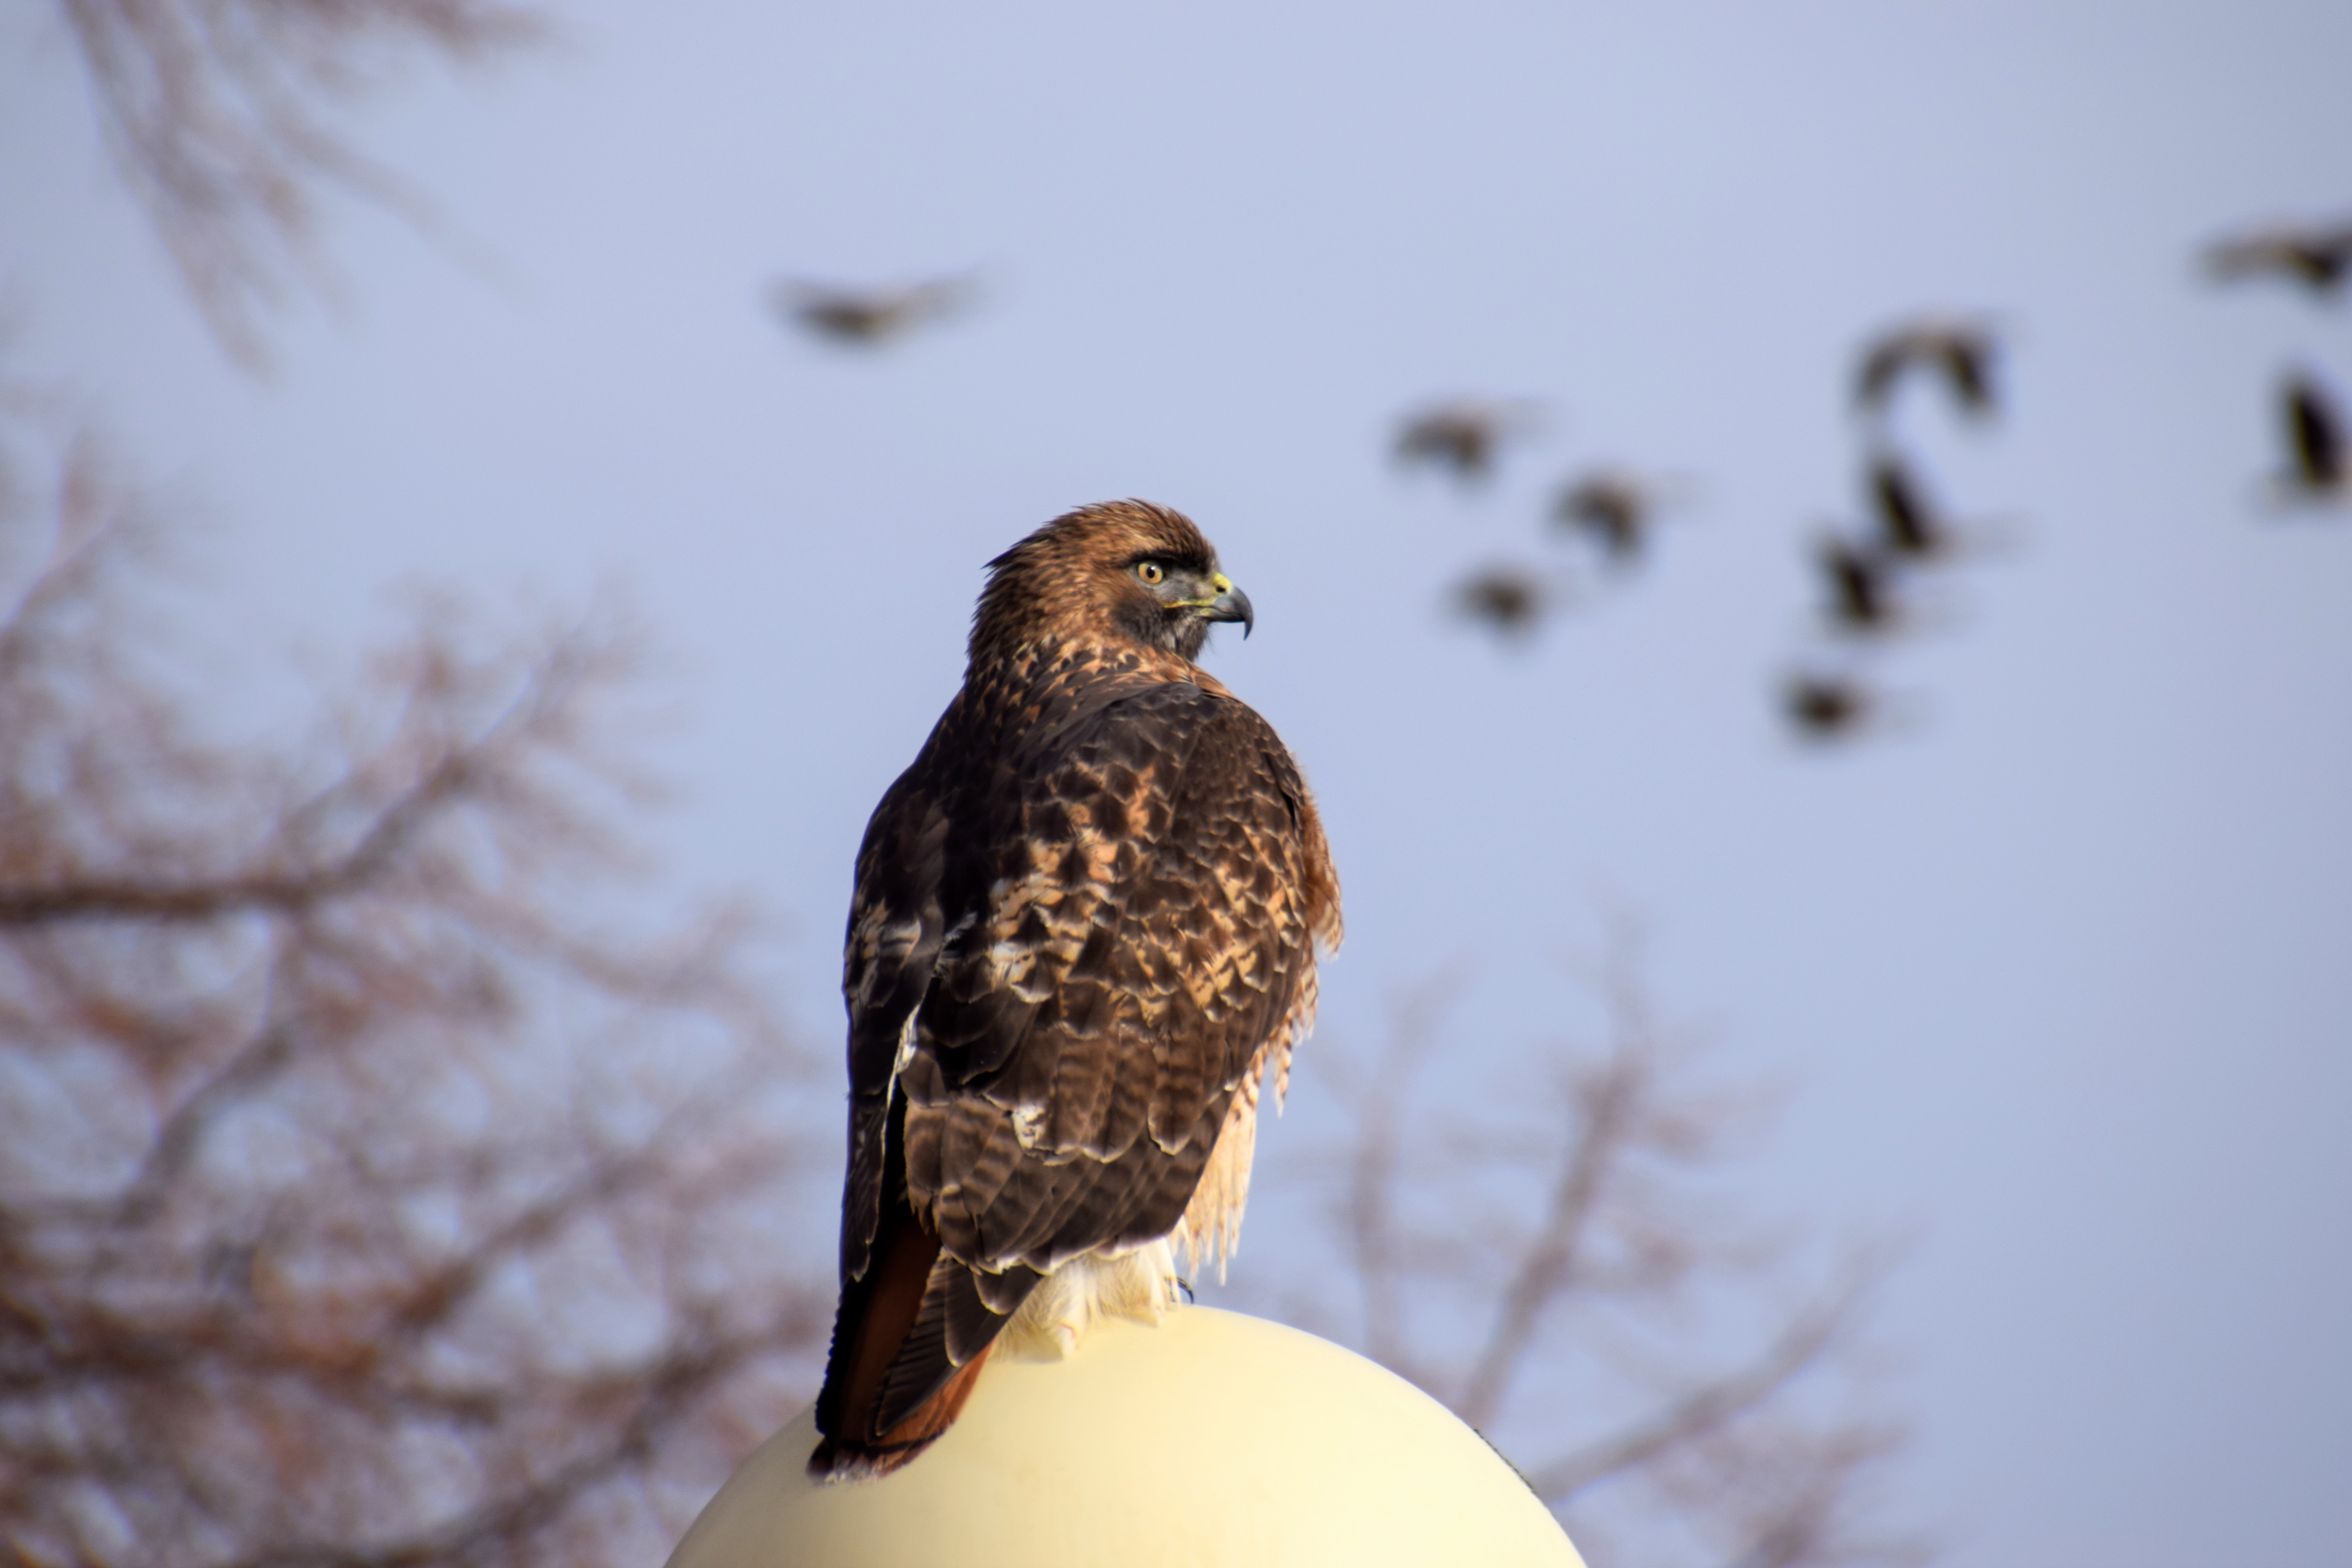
<point x="1152" y="572"/>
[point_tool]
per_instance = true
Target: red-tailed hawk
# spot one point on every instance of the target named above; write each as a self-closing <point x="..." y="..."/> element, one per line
<point x="1085" y="928"/>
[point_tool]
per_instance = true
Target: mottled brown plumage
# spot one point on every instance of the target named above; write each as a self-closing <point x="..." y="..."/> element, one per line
<point x="1084" y="929"/>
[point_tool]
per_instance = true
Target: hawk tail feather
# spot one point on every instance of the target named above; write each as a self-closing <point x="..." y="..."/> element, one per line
<point x="908" y="1344"/>
<point x="878" y="1314"/>
<point x="838" y="1457"/>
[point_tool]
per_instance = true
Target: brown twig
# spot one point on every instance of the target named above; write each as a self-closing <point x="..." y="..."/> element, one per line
<point x="1549" y="1266"/>
<point x="1799" y="1346"/>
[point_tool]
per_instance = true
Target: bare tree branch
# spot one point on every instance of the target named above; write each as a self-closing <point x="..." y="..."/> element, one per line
<point x="363" y="1200"/>
<point x="216" y="111"/>
<point x="1597" y="1301"/>
<point x="450" y="777"/>
<point x="1799" y="1346"/>
<point x="1374" y="1231"/>
<point x="1548" y="1268"/>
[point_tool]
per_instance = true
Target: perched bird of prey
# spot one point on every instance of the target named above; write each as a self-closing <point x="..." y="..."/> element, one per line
<point x="2317" y="256"/>
<point x="2315" y="435"/>
<point x="1616" y="508"/>
<point x="1464" y="437"/>
<point x="1826" y="707"/>
<point x="1960" y="349"/>
<point x="1084" y="932"/>
<point x="1860" y="583"/>
<point x="866" y="316"/>
<point x="1511" y="599"/>
<point x="1911" y="526"/>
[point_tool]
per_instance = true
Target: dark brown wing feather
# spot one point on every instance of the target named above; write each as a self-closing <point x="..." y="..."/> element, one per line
<point x="1083" y="942"/>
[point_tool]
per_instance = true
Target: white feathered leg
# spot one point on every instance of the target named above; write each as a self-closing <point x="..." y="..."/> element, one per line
<point x="1139" y="1285"/>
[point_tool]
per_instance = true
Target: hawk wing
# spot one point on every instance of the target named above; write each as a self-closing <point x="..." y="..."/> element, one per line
<point x="1058" y="976"/>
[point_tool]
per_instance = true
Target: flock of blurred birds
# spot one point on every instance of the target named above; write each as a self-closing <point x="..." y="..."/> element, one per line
<point x="1867" y="575"/>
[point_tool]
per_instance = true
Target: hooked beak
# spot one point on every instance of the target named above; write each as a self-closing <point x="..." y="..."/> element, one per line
<point x="1230" y="604"/>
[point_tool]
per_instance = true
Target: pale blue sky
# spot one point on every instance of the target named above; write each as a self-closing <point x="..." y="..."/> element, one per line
<point x="2062" y="969"/>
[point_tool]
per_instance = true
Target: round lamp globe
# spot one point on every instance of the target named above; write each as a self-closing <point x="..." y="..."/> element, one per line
<point x="1213" y="1438"/>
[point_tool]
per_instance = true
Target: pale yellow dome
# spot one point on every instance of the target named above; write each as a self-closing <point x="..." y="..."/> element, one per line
<point x="1214" y="1439"/>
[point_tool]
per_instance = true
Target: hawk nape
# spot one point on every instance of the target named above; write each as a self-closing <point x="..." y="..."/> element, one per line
<point x="1083" y="929"/>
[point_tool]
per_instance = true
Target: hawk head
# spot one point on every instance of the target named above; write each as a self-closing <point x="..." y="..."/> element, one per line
<point x="1122" y="569"/>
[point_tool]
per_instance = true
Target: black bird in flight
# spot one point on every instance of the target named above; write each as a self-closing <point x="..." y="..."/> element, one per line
<point x="1615" y="507"/>
<point x="2317" y="256"/>
<point x="1860" y="583"/>
<point x="2314" y="434"/>
<point x="1910" y="524"/>
<point x="867" y="317"/>
<point x="1464" y="437"/>
<point x="1509" y="599"/>
<point x="1826" y="707"/>
<point x="1960" y="349"/>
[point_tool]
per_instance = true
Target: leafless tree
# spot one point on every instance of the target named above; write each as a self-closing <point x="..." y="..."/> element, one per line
<point x="372" y="1192"/>
<point x="219" y="113"/>
<point x="1560" y="1270"/>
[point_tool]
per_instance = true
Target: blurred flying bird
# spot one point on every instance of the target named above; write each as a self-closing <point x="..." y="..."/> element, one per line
<point x="2317" y="256"/>
<point x="1615" y="507"/>
<point x="1826" y="707"/>
<point x="867" y="317"/>
<point x="1510" y="599"/>
<point x="1861" y="585"/>
<point x="1463" y="437"/>
<point x="1961" y="349"/>
<point x="1911" y="525"/>
<point x="2314" y="434"/>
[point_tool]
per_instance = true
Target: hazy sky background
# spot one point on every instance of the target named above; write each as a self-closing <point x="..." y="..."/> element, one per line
<point x="2061" y="969"/>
